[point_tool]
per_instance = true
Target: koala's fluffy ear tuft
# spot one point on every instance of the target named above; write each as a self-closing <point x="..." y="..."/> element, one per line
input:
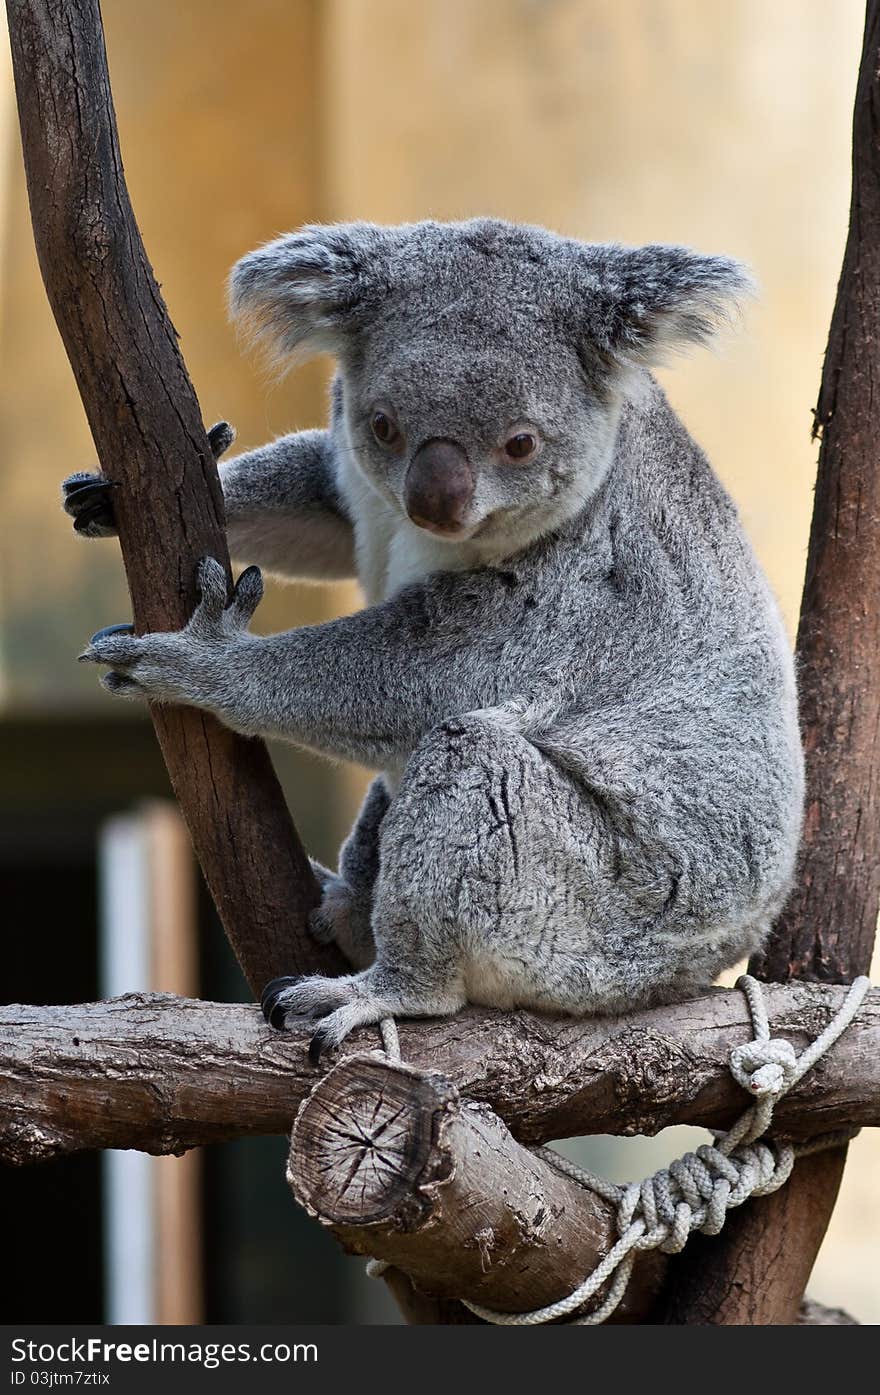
<point x="638" y="304"/>
<point x="301" y="294"/>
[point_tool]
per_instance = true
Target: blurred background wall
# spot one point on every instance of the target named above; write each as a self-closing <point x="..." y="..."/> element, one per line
<point x="726" y="127"/>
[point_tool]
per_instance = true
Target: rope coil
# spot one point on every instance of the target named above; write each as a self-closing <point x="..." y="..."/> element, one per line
<point x="695" y="1192"/>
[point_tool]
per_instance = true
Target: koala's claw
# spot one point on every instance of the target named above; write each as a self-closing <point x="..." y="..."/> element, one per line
<point x="82" y="486"/>
<point x="115" y="644"/>
<point x="319" y="1042"/>
<point x="275" y="1010"/>
<point x="270" y="1001"/>
<point x="118" y="683"/>
<point x="191" y="665"/>
<point x="217" y="612"/>
<point x="127" y="628"/>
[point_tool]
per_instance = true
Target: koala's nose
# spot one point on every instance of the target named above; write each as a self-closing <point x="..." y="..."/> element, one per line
<point x="439" y="486"/>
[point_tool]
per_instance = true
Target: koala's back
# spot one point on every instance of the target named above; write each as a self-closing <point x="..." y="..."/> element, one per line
<point x="677" y="704"/>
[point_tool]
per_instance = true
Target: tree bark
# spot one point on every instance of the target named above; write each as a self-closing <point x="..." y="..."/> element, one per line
<point x="397" y="1165"/>
<point x="148" y="431"/>
<point x="756" y="1270"/>
<point x="164" y="1074"/>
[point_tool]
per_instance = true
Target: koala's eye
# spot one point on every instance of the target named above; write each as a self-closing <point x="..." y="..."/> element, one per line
<point x="520" y="446"/>
<point x="384" y="429"/>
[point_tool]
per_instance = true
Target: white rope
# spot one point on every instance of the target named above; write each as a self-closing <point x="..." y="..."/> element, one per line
<point x="390" y="1039"/>
<point x="694" y="1192"/>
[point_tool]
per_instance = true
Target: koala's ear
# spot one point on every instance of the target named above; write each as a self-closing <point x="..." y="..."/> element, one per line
<point x="638" y="304"/>
<point x="302" y="293"/>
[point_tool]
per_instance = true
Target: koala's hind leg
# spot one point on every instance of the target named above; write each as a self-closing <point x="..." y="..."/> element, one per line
<point x="486" y="854"/>
<point x="492" y="864"/>
<point x="346" y="908"/>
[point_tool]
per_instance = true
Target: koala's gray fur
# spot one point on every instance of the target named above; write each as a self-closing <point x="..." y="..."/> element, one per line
<point x="583" y="703"/>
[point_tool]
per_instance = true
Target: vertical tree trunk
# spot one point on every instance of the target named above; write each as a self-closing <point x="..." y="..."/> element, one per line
<point x="755" y="1271"/>
<point x="149" y="435"/>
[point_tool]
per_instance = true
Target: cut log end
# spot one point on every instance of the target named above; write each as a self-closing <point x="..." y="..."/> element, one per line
<point x="365" y="1143"/>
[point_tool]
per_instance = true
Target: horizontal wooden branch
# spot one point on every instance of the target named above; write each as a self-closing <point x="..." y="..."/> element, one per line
<point x="164" y="1074"/>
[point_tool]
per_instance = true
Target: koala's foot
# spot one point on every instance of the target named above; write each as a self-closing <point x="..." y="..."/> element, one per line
<point x="353" y="1000"/>
<point x="343" y="918"/>
<point x="88" y="498"/>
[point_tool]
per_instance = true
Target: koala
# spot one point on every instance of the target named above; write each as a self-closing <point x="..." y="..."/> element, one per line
<point x="570" y="672"/>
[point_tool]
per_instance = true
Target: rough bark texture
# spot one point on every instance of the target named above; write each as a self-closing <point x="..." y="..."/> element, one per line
<point x="149" y="436"/>
<point x="164" y="1074"/>
<point x="756" y="1270"/>
<point x="827" y="930"/>
<point x="397" y="1165"/>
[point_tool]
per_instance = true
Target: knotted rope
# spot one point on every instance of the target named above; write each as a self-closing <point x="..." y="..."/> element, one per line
<point x="694" y="1192"/>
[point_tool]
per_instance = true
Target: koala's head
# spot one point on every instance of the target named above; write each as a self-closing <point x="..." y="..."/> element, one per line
<point x="482" y="364"/>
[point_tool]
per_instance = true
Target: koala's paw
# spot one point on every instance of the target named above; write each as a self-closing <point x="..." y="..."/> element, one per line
<point x="342" y="919"/>
<point x="352" y="1000"/>
<point x="220" y="438"/>
<point x="192" y="665"/>
<point x="88" y="497"/>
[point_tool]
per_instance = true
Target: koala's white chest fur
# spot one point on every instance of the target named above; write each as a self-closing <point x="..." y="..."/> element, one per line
<point x="390" y="551"/>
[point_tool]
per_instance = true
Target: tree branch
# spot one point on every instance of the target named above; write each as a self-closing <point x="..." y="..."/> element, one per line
<point x="164" y="1074"/>
<point x="756" y="1270"/>
<point x="148" y="431"/>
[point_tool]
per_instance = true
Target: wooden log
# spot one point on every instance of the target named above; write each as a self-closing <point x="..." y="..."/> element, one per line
<point x="148" y="432"/>
<point x="749" y="1274"/>
<point x="398" y="1166"/>
<point x="164" y="1074"/>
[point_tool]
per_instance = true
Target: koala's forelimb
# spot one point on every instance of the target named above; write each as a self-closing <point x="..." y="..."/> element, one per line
<point x="87" y="497"/>
<point x="323" y="686"/>
<point x="283" y="509"/>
